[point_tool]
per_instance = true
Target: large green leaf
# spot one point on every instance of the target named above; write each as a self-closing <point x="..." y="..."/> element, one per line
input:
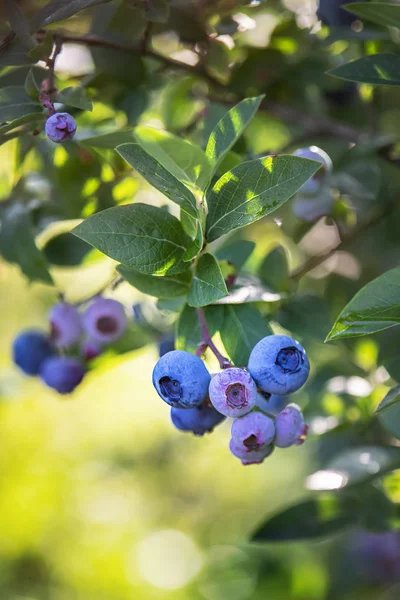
<point x="58" y="10"/>
<point x="242" y="328"/>
<point x="236" y="253"/>
<point x="29" y="118"/>
<point x="188" y="332"/>
<point x="16" y="103"/>
<point x="274" y="270"/>
<point x="17" y="244"/>
<point x="75" y="96"/>
<point x="322" y="516"/>
<point x="254" y="189"/>
<point x="376" y="69"/>
<point x="381" y="13"/>
<point x="389" y="411"/>
<point x="159" y="177"/>
<point x="18" y="23"/>
<point x="15" y="55"/>
<point x="208" y="284"/>
<point x="147" y="238"/>
<point x="108" y="139"/>
<point x="391" y="398"/>
<point x="229" y="129"/>
<point x="166" y="286"/>
<point x="376" y="306"/>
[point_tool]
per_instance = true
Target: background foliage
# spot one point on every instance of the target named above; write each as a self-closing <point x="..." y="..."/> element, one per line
<point x="100" y="497"/>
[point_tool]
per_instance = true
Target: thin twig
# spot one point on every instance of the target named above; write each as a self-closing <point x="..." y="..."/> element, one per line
<point x="207" y="341"/>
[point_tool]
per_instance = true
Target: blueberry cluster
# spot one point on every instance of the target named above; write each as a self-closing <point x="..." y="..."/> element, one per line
<point x="256" y="397"/>
<point x="60" y="357"/>
<point x="315" y="198"/>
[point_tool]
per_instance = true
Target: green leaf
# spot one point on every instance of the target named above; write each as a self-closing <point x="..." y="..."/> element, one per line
<point x="375" y="307"/>
<point x="274" y="270"/>
<point x="58" y="10"/>
<point x="322" y="516"/>
<point x="254" y="189"/>
<point x="18" y="23"/>
<point x="355" y="466"/>
<point x="75" y="96"/>
<point x="156" y="11"/>
<point x="43" y="50"/>
<point x="376" y="69"/>
<point x="194" y="229"/>
<point x="15" y="55"/>
<point x="389" y="415"/>
<point x="242" y="328"/>
<point x="109" y="139"/>
<point x="208" y="284"/>
<point x="236" y="253"/>
<point x="229" y="129"/>
<point x="166" y="286"/>
<point x="17" y="244"/>
<point x="31" y="118"/>
<point x="15" y="103"/>
<point x="188" y="332"/>
<point x="31" y="85"/>
<point x="381" y="13"/>
<point x="147" y="238"/>
<point x="391" y="398"/>
<point x="159" y="177"/>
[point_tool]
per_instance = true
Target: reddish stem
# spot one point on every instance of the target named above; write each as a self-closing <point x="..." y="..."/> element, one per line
<point x="224" y="362"/>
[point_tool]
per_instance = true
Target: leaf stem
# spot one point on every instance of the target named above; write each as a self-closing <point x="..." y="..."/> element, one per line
<point x="207" y="342"/>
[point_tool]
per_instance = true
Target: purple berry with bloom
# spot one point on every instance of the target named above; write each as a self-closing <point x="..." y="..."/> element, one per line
<point x="382" y="550"/>
<point x="60" y="127"/>
<point x="105" y="320"/>
<point x="312" y="186"/>
<point x="250" y="457"/>
<point x="312" y="207"/>
<point x="233" y="392"/>
<point x="271" y="403"/>
<point x="30" y="349"/>
<point x="62" y="373"/>
<point x="279" y="365"/>
<point x="90" y="349"/>
<point x="181" y="379"/>
<point x="290" y="427"/>
<point x="253" y="432"/>
<point x="200" y="420"/>
<point x="65" y="323"/>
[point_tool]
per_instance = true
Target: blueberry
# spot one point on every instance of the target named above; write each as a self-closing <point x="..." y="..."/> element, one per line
<point x="181" y="379"/>
<point x="279" y="365"/>
<point x="90" y="349"/>
<point x="382" y="550"/>
<point x="104" y="321"/>
<point x="199" y="420"/>
<point x="290" y="427"/>
<point x="312" y="186"/>
<point x="62" y="373"/>
<point x="233" y="392"/>
<point x="253" y="432"/>
<point x="65" y="323"/>
<point x="250" y="457"/>
<point x="30" y="349"/>
<point x="166" y="345"/>
<point x="271" y="403"/>
<point x="60" y="127"/>
<point x="312" y="207"/>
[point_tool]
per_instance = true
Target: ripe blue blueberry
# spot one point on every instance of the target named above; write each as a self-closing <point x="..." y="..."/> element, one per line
<point x="166" y="345"/>
<point x="105" y="320"/>
<point x="310" y="208"/>
<point x="30" y="349"/>
<point x="279" y="365"/>
<point x="60" y="127"/>
<point x="253" y="432"/>
<point x="233" y="392"/>
<point x="250" y="457"/>
<point x="62" y="373"/>
<point x="312" y="186"/>
<point x="65" y="323"/>
<point x="199" y="420"/>
<point x="271" y="403"/>
<point x="181" y="379"/>
<point x="290" y="427"/>
<point x="90" y="349"/>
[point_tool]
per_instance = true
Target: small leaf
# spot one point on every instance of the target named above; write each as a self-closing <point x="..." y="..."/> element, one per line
<point x="58" y="10"/>
<point x="43" y="50"/>
<point x="236" y="253"/>
<point x="166" y="286"/>
<point x="381" y="13"/>
<point x="17" y="244"/>
<point x="159" y="177"/>
<point x="146" y="238"/>
<point x="242" y="328"/>
<point x="109" y="139"/>
<point x="18" y="23"/>
<point x="229" y="129"/>
<point x="74" y="96"/>
<point x="188" y="334"/>
<point x="208" y="284"/>
<point x="15" y="55"/>
<point x="274" y="270"/>
<point x="15" y="103"/>
<point x="375" y="307"/>
<point x="30" y="118"/>
<point x="31" y="85"/>
<point x="376" y="69"/>
<point x="254" y="189"/>
<point x="391" y="398"/>
<point x="322" y="516"/>
<point x="197" y="244"/>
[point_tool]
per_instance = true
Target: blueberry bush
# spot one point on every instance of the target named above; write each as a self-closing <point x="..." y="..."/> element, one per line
<point x="218" y="179"/>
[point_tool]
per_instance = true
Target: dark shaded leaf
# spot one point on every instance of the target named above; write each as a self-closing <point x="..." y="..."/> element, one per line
<point x="376" y="69"/>
<point x="75" y="96"/>
<point x="58" y="10"/>
<point x="236" y="253"/>
<point x="188" y="332"/>
<point x="242" y="328"/>
<point x="208" y="284"/>
<point x="166" y="286"/>
<point x="381" y="13"/>
<point x="15" y="103"/>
